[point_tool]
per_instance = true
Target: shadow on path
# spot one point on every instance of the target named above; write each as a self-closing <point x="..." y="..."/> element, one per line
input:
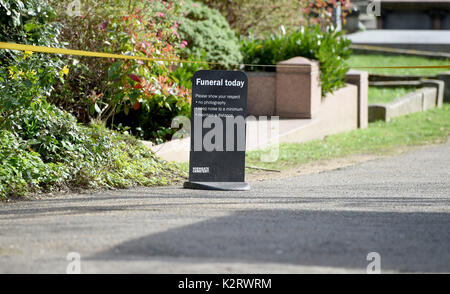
<point x="412" y="242"/>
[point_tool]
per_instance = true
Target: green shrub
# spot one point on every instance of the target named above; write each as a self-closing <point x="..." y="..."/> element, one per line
<point x="21" y="170"/>
<point x="29" y="22"/>
<point x="87" y="74"/>
<point x="329" y="47"/>
<point x="27" y="82"/>
<point x="140" y="96"/>
<point x="26" y="78"/>
<point x="51" y="132"/>
<point x="47" y="149"/>
<point x="143" y="95"/>
<point x="44" y="148"/>
<point x="208" y="32"/>
<point x="185" y="71"/>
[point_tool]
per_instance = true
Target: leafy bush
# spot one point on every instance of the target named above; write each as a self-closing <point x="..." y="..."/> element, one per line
<point x="51" y="132"/>
<point x="185" y="71"/>
<point x="147" y="90"/>
<point x="43" y="147"/>
<point x="87" y="74"/>
<point x="46" y="149"/>
<point x="329" y="47"/>
<point x="142" y="96"/>
<point x="21" y="170"/>
<point x="26" y="78"/>
<point x="208" y="32"/>
<point x="29" y="22"/>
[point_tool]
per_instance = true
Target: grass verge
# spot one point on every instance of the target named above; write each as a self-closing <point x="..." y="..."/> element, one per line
<point x="386" y="60"/>
<point x="386" y="95"/>
<point x="420" y="128"/>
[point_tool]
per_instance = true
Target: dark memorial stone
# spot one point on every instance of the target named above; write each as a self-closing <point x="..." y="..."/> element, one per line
<point x="219" y="107"/>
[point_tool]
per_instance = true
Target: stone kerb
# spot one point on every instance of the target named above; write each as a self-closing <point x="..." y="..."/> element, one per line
<point x="440" y="88"/>
<point x="445" y="77"/>
<point x="420" y="100"/>
<point x="361" y="80"/>
<point x="429" y="98"/>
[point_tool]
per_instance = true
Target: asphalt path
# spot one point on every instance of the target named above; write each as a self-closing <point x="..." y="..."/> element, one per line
<point x="398" y="207"/>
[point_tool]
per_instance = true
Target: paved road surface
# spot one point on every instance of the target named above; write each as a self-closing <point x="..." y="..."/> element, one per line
<point x="320" y="223"/>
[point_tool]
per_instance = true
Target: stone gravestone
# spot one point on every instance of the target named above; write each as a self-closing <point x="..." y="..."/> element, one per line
<point x="219" y="107"/>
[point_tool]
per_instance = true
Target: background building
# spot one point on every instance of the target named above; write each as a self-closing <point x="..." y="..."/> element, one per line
<point x="415" y="14"/>
<point x="406" y="15"/>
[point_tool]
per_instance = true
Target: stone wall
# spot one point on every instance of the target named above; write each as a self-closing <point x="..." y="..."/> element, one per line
<point x="294" y="92"/>
<point x="420" y="100"/>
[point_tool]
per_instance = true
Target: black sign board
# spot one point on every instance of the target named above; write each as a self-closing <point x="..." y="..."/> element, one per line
<point x="219" y="107"/>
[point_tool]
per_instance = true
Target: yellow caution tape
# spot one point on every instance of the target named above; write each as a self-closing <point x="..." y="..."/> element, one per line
<point x="42" y="49"/>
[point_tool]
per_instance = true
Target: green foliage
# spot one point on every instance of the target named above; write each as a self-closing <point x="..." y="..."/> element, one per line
<point x="369" y="60"/>
<point x="388" y="94"/>
<point x="208" y="32"/>
<point x="185" y="71"/>
<point x="26" y="78"/>
<point x="46" y="149"/>
<point x="329" y="47"/>
<point x="141" y="96"/>
<point x="27" y="82"/>
<point x="87" y="74"/>
<point x="51" y="132"/>
<point x="21" y="170"/>
<point x="30" y="22"/>
<point x="27" y="22"/>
